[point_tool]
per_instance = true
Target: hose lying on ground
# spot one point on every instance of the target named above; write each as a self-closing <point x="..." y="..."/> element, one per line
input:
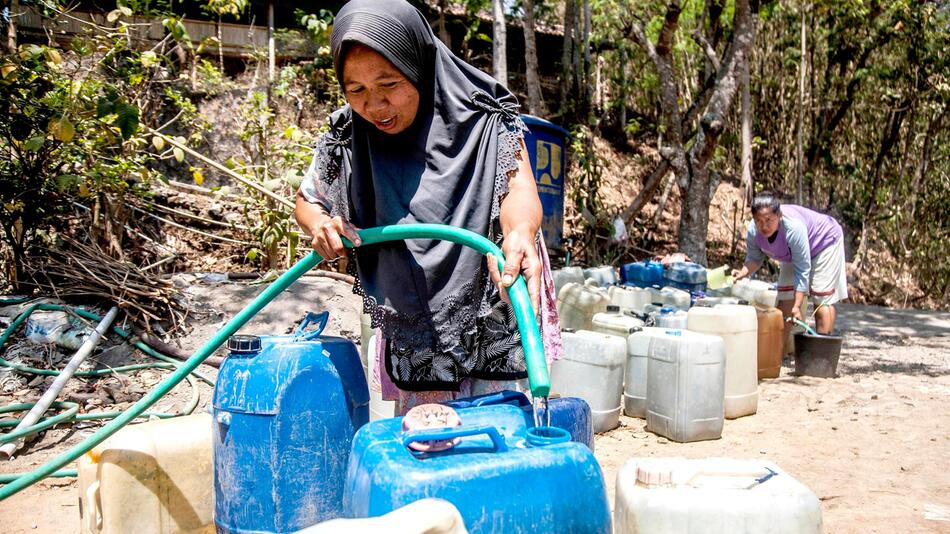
<point x="71" y="409"/>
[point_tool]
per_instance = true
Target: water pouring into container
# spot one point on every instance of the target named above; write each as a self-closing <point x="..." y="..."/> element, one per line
<point x="427" y="138"/>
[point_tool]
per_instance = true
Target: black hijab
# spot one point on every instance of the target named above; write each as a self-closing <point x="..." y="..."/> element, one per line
<point x="433" y="300"/>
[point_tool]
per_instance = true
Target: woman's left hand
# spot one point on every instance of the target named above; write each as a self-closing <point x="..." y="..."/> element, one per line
<point x="521" y="256"/>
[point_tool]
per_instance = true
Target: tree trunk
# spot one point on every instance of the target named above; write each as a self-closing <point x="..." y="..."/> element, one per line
<point x="220" y="47"/>
<point x="700" y="184"/>
<point x="801" y="117"/>
<point x="567" y="53"/>
<point x="535" y="99"/>
<point x="271" y="51"/>
<point x="746" y="134"/>
<point x="584" y="70"/>
<point x="11" y="26"/>
<point x="443" y="31"/>
<point x="499" y="43"/>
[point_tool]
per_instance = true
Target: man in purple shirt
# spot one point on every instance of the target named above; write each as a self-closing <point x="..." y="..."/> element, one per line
<point x="810" y="249"/>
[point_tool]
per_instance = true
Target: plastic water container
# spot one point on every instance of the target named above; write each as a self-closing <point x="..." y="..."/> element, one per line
<point x="605" y="275"/>
<point x="428" y="516"/>
<point x="569" y="413"/>
<point x="629" y="298"/>
<point x="563" y="276"/>
<point x="615" y="322"/>
<point x="746" y="289"/>
<point x="644" y="273"/>
<point x="378" y="408"/>
<point x="771" y="336"/>
<point x="578" y="303"/>
<point x="766" y="298"/>
<point x="285" y="412"/>
<point x="685" y="385"/>
<point x="685" y="275"/>
<point x="675" y="298"/>
<point x="670" y="318"/>
<point x="635" y="374"/>
<point x="501" y="475"/>
<point x="712" y="496"/>
<point x="592" y="369"/>
<point x="719" y="278"/>
<point x="149" y="477"/>
<point x="737" y="325"/>
<point x="709" y="302"/>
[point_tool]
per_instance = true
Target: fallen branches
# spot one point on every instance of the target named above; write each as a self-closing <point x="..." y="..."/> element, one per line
<point x="83" y="270"/>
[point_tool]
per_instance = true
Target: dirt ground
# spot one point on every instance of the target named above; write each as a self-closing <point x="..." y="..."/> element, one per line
<point x="873" y="444"/>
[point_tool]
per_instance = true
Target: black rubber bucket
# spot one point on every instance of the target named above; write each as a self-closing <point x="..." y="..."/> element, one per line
<point x="817" y="355"/>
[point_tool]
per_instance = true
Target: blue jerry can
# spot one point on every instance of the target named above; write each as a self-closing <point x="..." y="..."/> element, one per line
<point x="646" y="273"/>
<point x="286" y="409"/>
<point x="502" y="475"/>
<point x="685" y="275"/>
<point x="570" y="413"/>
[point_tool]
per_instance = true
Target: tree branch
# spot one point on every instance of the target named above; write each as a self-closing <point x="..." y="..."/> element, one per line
<point x="670" y="22"/>
<point x="707" y="48"/>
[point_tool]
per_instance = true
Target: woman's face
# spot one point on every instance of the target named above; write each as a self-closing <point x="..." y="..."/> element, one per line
<point x="378" y="91"/>
<point x="766" y="222"/>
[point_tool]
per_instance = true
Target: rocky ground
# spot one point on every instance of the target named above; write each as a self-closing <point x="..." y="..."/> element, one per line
<point x="872" y="443"/>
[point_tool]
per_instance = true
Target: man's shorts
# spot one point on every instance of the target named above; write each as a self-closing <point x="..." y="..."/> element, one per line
<point x="829" y="283"/>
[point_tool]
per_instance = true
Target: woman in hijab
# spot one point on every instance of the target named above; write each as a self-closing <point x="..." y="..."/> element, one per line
<point x="427" y="138"/>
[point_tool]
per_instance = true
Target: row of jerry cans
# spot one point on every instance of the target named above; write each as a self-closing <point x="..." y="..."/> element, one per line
<point x="578" y="303"/>
<point x="278" y="470"/>
<point x="683" y="275"/>
<point x="156" y="477"/>
<point x="683" y="381"/>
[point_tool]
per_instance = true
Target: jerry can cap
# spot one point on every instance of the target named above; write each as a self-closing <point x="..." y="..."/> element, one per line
<point x="244" y="344"/>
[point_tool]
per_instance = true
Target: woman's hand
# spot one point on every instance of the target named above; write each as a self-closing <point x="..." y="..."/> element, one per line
<point x="521" y="256"/>
<point x="324" y="229"/>
<point x="326" y="236"/>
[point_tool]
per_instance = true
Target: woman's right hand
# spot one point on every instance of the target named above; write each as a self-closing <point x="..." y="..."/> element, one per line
<point x="326" y="232"/>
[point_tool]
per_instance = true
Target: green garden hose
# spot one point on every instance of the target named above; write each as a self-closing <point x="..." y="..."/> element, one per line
<point x="521" y="304"/>
<point x="70" y="414"/>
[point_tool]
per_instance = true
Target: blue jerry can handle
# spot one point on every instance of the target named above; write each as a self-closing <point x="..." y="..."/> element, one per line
<point x="441" y="434"/>
<point x="319" y="319"/>
<point x="502" y="397"/>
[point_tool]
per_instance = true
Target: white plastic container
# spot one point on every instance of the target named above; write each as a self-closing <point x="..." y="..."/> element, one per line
<point x="738" y="326"/>
<point x="378" y="408"/>
<point x="428" y="516"/>
<point x="656" y="297"/>
<point x="566" y="275"/>
<point x="605" y="275"/>
<point x="578" y="303"/>
<point x="629" y="298"/>
<point x="592" y="369"/>
<point x="615" y="323"/>
<point x="686" y="375"/>
<point x="675" y="298"/>
<point x="712" y="496"/>
<point x="746" y="289"/>
<point x="709" y="302"/>
<point x="635" y="374"/>
<point x="153" y="477"/>
<point x="765" y="298"/>
<point x="670" y="318"/>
